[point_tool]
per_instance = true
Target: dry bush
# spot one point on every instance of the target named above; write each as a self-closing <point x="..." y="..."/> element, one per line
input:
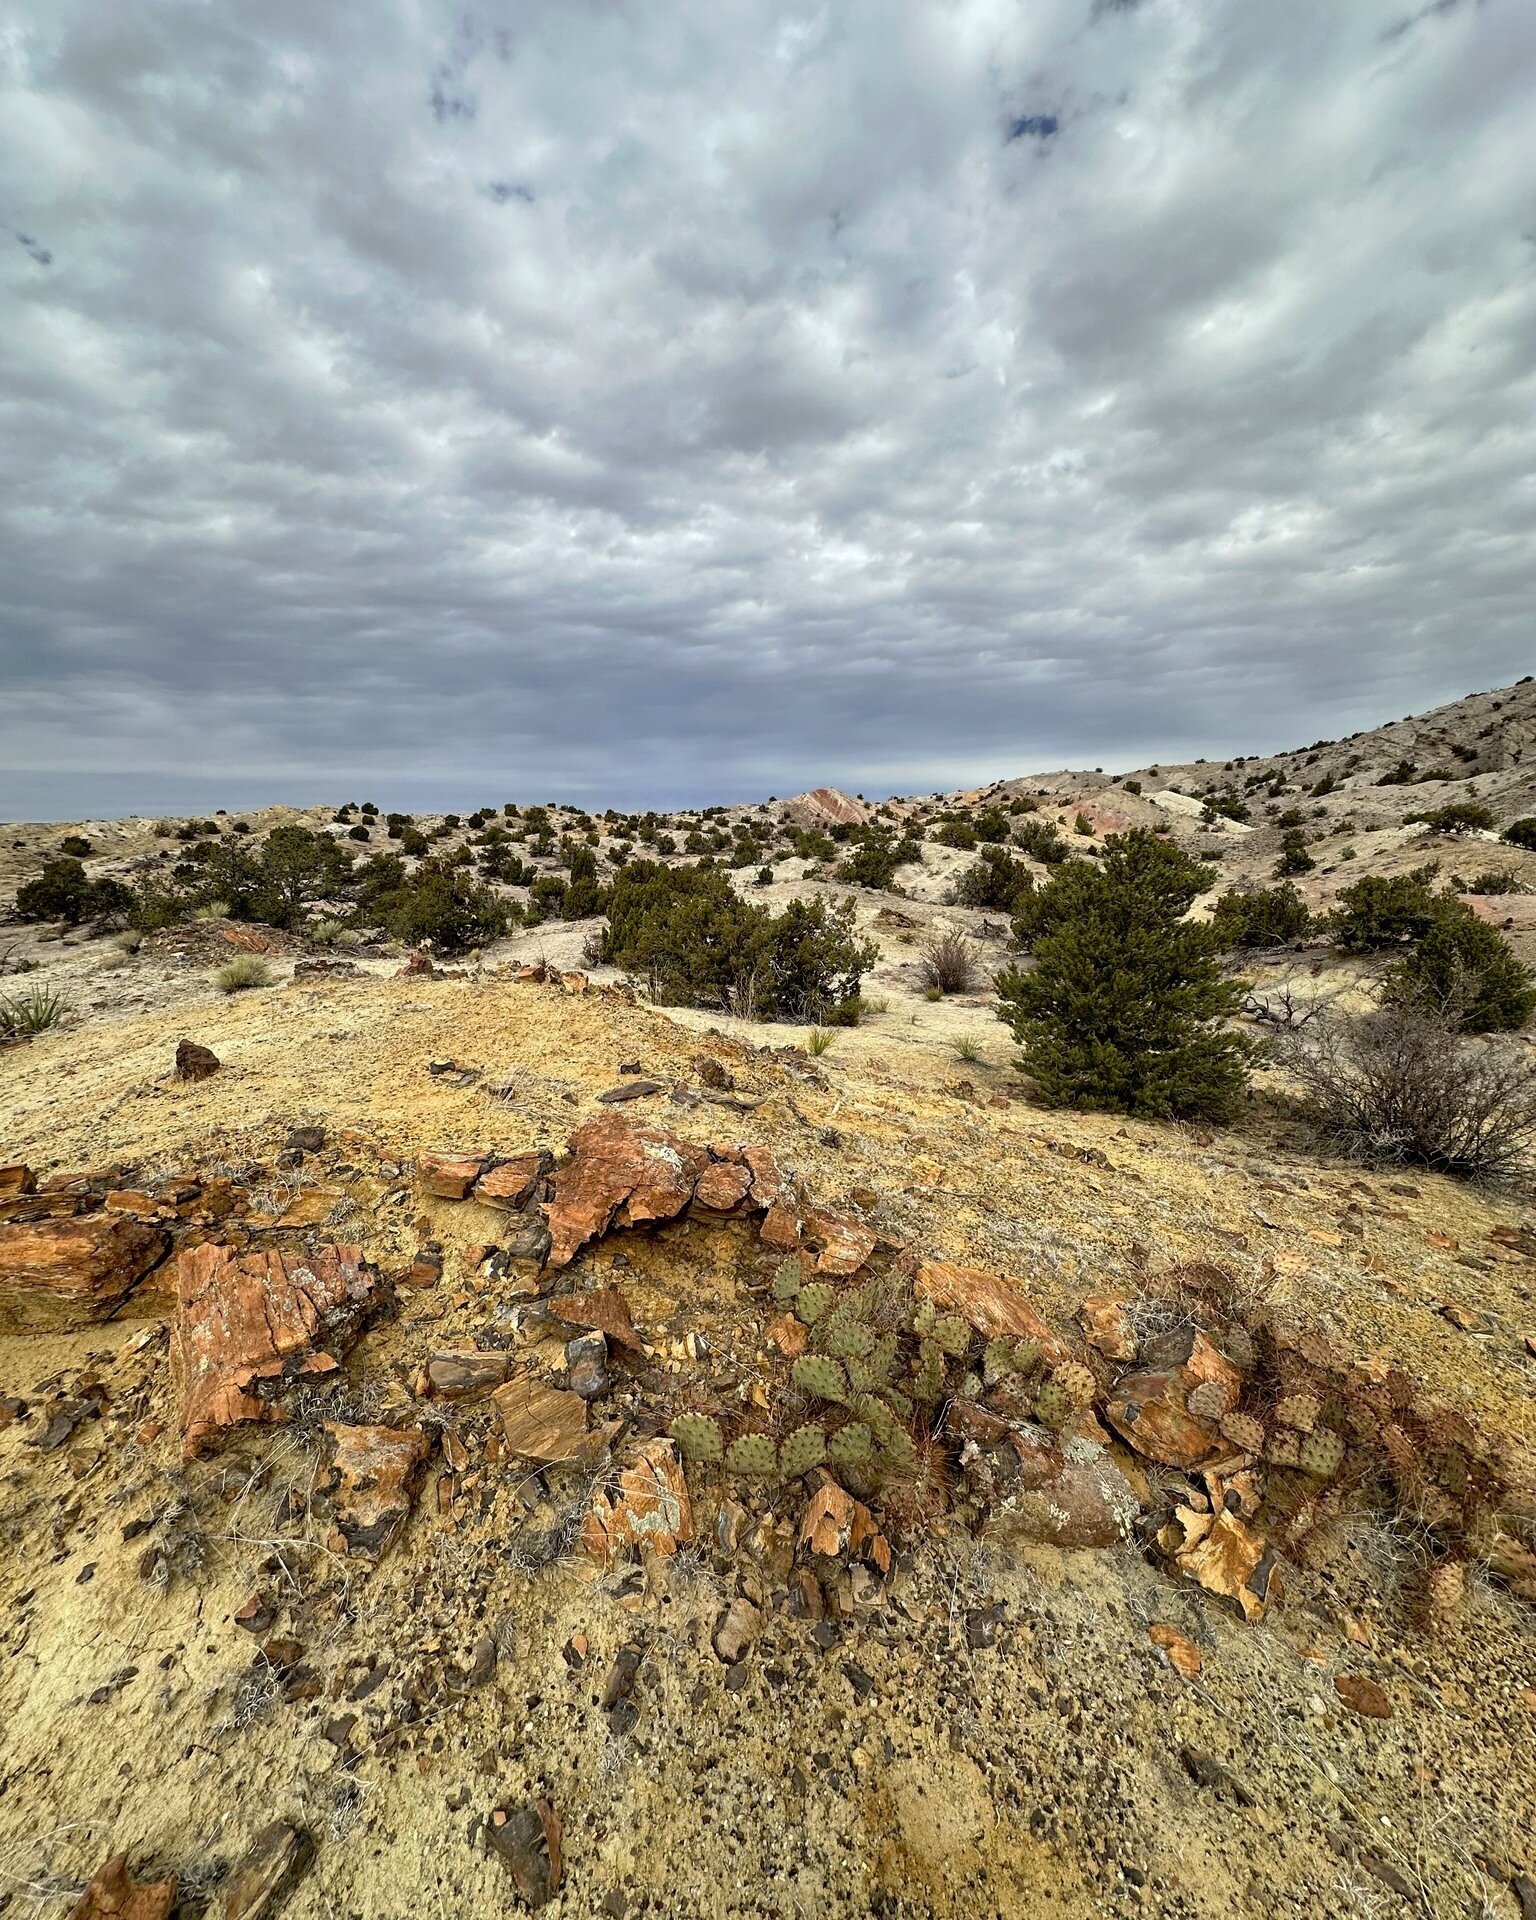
<point x="948" y="964"/>
<point x="1405" y="1085"/>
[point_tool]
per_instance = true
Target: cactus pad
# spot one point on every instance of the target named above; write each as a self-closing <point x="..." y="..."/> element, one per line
<point x="812" y="1302"/>
<point x="753" y="1456"/>
<point x="924" y="1316"/>
<point x="805" y="1448"/>
<point x="787" y="1281"/>
<point x="1076" y="1382"/>
<point x="951" y="1335"/>
<point x="1298" y="1411"/>
<point x="1210" y="1400"/>
<point x="1321" y="1453"/>
<point x="1053" y="1405"/>
<point x="1243" y="1431"/>
<point x="697" y="1436"/>
<point x="818" y="1374"/>
<point x="850" y="1446"/>
<point x="850" y="1336"/>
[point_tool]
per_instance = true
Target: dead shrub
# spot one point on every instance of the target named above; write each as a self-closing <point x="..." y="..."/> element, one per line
<point x="1404" y="1085"/>
<point x="948" y="964"/>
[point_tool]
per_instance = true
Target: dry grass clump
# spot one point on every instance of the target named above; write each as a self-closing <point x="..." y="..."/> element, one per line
<point x="1404" y="1085"/>
<point x="247" y="970"/>
<point x="948" y="965"/>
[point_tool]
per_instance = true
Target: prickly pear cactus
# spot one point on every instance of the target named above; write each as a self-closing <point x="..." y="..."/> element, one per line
<point x="951" y="1335"/>
<point x="787" y="1282"/>
<point x="877" y="1416"/>
<point x="1210" y="1400"/>
<point x="1053" y="1404"/>
<point x="850" y="1446"/>
<point x="899" y="1453"/>
<point x="898" y="1402"/>
<point x="849" y="1337"/>
<point x="970" y="1386"/>
<point x="1283" y="1448"/>
<point x="805" y="1448"/>
<point x="928" y="1375"/>
<point x="753" y="1456"/>
<point x="882" y="1360"/>
<point x="819" y="1374"/>
<point x="1298" y="1411"/>
<point x="1076" y="1382"/>
<point x="924" y="1316"/>
<point x="1321" y="1453"/>
<point x="812" y="1301"/>
<point x="1243" y="1431"/>
<point x="697" y="1436"/>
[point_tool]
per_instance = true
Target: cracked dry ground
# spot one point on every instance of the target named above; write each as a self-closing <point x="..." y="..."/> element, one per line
<point x="330" y="1538"/>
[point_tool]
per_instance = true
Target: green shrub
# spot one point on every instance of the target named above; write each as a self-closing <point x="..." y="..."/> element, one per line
<point x="872" y="863"/>
<point x="995" y="881"/>
<point x="1522" y="833"/>
<point x="64" y="891"/>
<point x="584" y="898"/>
<point x="1250" y="916"/>
<point x="1294" y="857"/>
<point x="1040" y="840"/>
<point x="1131" y="786"/>
<point x="30" y="1013"/>
<point x="75" y="846"/>
<point x="1466" y="816"/>
<point x="1466" y="968"/>
<point x="697" y="943"/>
<point x="1376" y="913"/>
<point x="1121" y="1011"/>
<point x="956" y="833"/>
<point x="439" y="903"/>
<point x="246" y="970"/>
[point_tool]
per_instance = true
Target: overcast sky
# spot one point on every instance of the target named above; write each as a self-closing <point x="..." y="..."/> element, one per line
<point x="696" y="399"/>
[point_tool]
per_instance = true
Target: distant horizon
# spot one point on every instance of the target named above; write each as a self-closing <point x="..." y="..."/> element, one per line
<point x="207" y="794"/>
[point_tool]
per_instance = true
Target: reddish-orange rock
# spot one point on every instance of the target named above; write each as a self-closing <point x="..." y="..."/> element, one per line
<point x="767" y="1181"/>
<point x="781" y="1227"/>
<point x="846" y="1242"/>
<point x="835" y="1526"/>
<point x="462" y="1376"/>
<point x="1363" y="1696"/>
<point x="511" y="1183"/>
<point x="372" y="1484"/>
<point x="17" y="1179"/>
<point x="1149" y="1408"/>
<point x="722" y="1187"/>
<point x="56" y="1275"/>
<point x="649" y="1508"/>
<point x="245" y="1318"/>
<point x="542" y="1423"/>
<point x="618" y="1175"/>
<point x="115" y="1895"/>
<point x="449" y="1176"/>
<point x="603" y="1308"/>
<point x="1106" y="1324"/>
<point x="993" y="1305"/>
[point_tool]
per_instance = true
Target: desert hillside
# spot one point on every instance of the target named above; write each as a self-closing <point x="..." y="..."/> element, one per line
<point x="474" y="1439"/>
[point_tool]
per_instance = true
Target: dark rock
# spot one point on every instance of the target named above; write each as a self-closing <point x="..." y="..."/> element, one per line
<point x="526" y="1840"/>
<point x="586" y="1359"/>
<point x="307" y="1139"/>
<point x="630" y="1090"/>
<point x="195" y="1062"/>
<point x="273" y="1865"/>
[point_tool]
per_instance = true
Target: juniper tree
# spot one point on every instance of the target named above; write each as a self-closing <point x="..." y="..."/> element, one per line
<point x="1122" y="1010"/>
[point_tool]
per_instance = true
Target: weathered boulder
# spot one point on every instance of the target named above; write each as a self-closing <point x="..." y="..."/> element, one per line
<point x="449" y="1176"/>
<point x="194" y="1061"/>
<point x="618" y="1175"/>
<point x="649" y="1507"/>
<point x="513" y="1183"/>
<point x="372" y="1485"/>
<point x="56" y="1275"/>
<point x="248" y="1319"/>
<point x="1149" y="1409"/>
<point x="540" y="1422"/>
<point x="1073" y="1497"/>
<point x="993" y="1305"/>
<point x="722" y="1187"/>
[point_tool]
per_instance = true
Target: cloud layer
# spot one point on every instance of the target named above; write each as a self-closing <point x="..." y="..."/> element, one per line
<point x="690" y="401"/>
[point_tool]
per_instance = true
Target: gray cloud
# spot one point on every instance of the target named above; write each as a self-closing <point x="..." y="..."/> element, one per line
<point x="566" y="398"/>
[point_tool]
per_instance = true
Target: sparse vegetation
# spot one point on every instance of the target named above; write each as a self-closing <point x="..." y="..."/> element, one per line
<point x="245" y="971"/>
<point x="24" y="1015"/>
<point x="1255" y="916"/>
<point x="1405" y="1085"/>
<point x="948" y="963"/>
